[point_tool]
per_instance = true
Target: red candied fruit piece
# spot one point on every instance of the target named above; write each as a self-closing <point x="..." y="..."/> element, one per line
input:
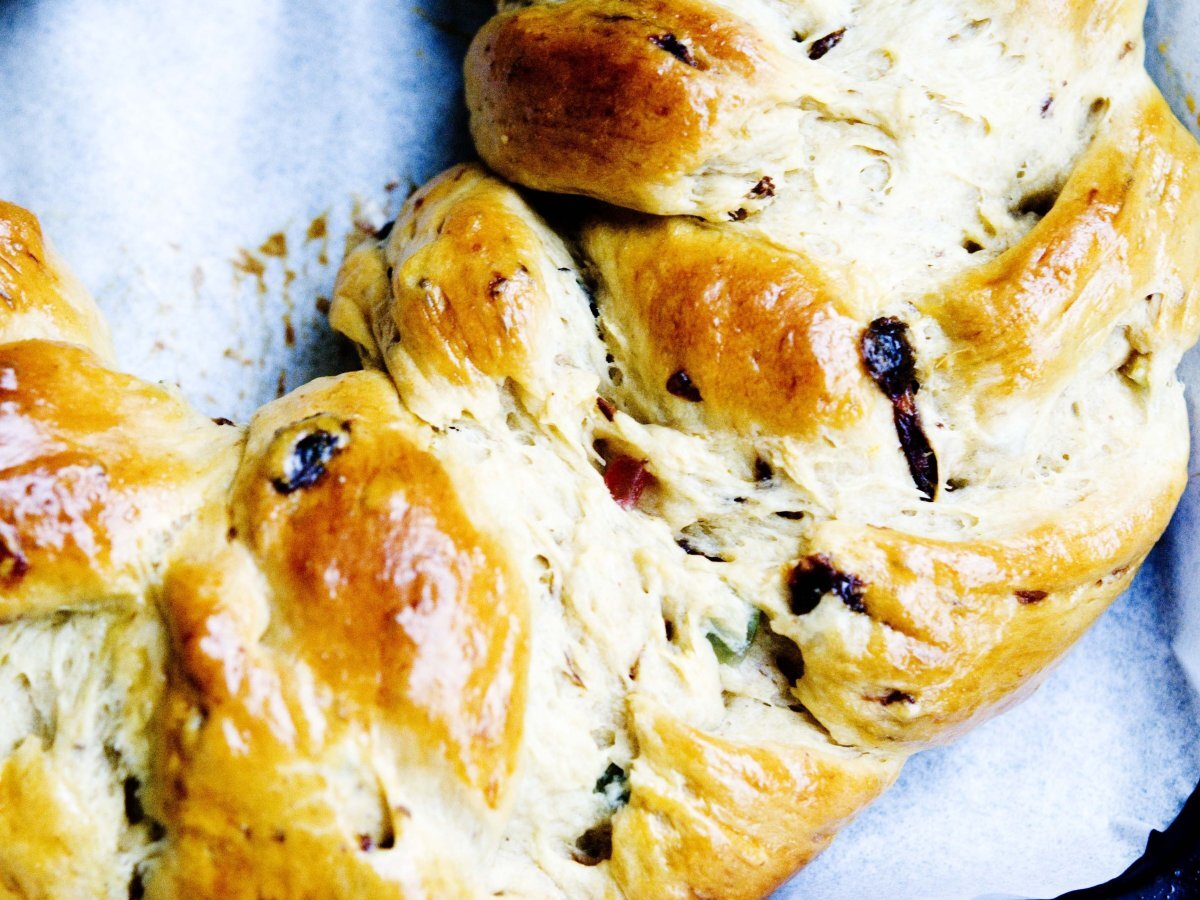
<point x="626" y="478"/>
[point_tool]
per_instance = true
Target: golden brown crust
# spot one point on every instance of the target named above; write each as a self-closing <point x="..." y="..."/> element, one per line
<point x="467" y="288"/>
<point x="715" y="817"/>
<point x="237" y="781"/>
<point x="99" y="472"/>
<point x="460" y="282"/>
<point x="682" y="107"/>
<point x="394" y="598"/>
<point x="952" y="632"/>
<point x="38" y="297"/>
<point x="1121" y="231"/>
<point x="359" y="621"/>
<point x="630" y="99"/>
<point x="457" y="301"/>
<point x="760" y="333"/>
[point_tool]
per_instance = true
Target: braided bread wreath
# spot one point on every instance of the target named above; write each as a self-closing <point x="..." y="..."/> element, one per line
<point x="644" y="550"/>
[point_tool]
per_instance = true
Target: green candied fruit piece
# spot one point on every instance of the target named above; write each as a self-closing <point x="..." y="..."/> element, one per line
<point x="727" y="654"/>
<point x="614" y="785"/>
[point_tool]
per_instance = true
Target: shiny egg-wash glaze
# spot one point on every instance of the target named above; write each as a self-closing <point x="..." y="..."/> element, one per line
<point x="642" y="554"/>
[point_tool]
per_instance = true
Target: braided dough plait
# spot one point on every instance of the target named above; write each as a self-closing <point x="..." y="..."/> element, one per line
<point x="649" y="544"/>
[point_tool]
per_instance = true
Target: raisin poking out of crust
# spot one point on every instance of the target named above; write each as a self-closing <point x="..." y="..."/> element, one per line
<point x="1028" y="598"/>
<point x="676" y="48"/>
<point x="594" y="845"/>
<point x="821" y="46"/>
<point x="305" y="465"/>
<point x="13" y="564"/>
<point x="764" y="188"/>
<point x="681" y="385"/>
<point x="888" y="357"/>
<point x="814" y="577"/>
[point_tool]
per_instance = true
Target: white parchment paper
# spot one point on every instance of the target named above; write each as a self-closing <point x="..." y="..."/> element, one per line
<point x="186" y="158"/>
